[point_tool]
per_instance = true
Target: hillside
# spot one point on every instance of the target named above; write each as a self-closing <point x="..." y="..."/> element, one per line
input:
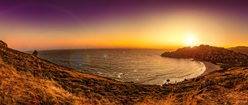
<point x="210" y="54"/>
<point x="83" y="87"/>
<point x="26" y="79"/>
<point x="241" y="49"/>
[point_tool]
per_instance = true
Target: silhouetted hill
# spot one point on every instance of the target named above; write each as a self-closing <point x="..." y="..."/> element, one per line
<point x="26" y="79"/>
<point x="210" y="54"/>
<point x="241" y="49"/>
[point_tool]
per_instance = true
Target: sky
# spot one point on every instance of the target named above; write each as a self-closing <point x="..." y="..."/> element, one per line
<point x="66" y="24"/>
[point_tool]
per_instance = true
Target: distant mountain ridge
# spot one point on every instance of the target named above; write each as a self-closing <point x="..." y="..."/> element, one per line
<point x="210" y="54"/>
<point x="241" y="49"/>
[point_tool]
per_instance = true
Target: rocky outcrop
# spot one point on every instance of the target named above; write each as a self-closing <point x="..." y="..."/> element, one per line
<point x="3" y="44"/>
<point x="35" y="53"/>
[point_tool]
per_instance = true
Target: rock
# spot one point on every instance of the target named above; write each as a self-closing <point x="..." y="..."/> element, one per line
<point x="3" y="44"/>
<point x="197" y="79"/>
<point x="35" y="53"/>
<point x="206" y="83"/>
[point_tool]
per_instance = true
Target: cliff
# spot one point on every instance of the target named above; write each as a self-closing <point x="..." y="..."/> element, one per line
<point x="26" y="79"/>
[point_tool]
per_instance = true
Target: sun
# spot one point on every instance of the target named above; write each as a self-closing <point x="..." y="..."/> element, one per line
<point x="190" y="40"/>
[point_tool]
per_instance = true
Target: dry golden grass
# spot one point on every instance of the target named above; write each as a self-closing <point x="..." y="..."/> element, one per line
<point x="83" y="87"/>
<point x="221" y="87"/>
<point x="25" y="79"/>
<point x="151" y="101"/>
<point x="26" y="89"/>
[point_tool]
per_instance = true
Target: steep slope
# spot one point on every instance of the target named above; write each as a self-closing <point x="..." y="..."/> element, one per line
<point x="224" y="87"/>
<point x="97" y="90"/>
<point x="26" y="79"/>
<point x="26" y="89"/>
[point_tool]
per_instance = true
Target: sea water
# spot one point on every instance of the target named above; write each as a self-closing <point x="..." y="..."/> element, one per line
<point x="128" y="65"/>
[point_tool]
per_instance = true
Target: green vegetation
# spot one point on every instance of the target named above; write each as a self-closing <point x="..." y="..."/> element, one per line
<point x="26" y="79"/>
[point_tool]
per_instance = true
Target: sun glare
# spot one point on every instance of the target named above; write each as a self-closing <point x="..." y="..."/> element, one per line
<point x="190" y="40"/>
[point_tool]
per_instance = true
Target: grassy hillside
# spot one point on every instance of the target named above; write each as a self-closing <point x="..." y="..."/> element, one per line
<point x="222" y="87"/>
<point x="241" y="49"/>
<point x="26" y="89"/>
<point x="93" y="89"/>
<point x="26" y="79"/>
<point x="227" y="58"/>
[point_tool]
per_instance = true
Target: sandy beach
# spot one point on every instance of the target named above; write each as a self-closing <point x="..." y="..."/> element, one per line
<point x="210" y="67"/>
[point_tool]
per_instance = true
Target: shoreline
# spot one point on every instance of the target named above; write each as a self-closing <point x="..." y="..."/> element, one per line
<point x="210" y="67"/>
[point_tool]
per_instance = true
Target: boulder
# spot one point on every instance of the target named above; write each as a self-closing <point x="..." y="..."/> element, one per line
<point x="35" y="53"/>
<point x="3" y="44"/>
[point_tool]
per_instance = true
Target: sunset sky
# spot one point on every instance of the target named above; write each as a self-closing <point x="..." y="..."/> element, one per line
<point x="60" y="24"/>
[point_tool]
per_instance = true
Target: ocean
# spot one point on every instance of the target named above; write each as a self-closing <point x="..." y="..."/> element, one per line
<point x="128" y="65"/>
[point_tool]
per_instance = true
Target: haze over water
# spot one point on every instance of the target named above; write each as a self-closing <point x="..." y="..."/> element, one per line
<point x="136" y="65"/>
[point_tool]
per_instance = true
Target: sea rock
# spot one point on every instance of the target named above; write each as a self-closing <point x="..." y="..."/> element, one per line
<point x="3" y="44"/>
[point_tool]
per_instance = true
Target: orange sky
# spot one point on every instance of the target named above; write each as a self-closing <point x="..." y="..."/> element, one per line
<point x="168" y="29"/>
